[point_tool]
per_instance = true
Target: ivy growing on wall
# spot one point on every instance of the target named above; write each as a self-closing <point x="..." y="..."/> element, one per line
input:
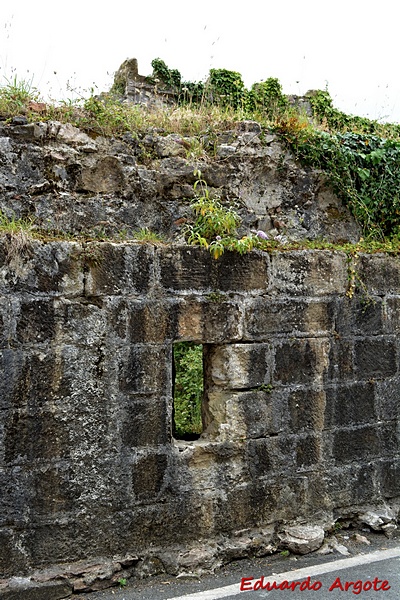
<point x="267" y="97"/>
<point x="226" y="88"/>
<point x="363" y="169"/>
<point x="170" y="77"/>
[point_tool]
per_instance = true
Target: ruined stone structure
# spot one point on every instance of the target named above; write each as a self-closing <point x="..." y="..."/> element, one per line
<point x="301" y="381"/>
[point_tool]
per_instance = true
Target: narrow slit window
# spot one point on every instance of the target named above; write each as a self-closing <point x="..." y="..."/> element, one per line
<point x="188" y="390"/>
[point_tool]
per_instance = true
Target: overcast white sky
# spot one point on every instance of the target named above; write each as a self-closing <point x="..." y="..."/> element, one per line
<point x="351" y="46"/>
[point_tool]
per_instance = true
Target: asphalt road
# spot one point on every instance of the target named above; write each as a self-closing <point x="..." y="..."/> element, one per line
<point x="370" y="572"/>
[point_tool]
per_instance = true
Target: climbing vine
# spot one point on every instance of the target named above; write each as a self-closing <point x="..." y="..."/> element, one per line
<point x="171" y="77"/>
<point x="363" y="170"/>
<point x="267" y="97"/>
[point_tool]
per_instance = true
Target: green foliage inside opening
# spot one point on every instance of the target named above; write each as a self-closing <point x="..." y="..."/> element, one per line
<point x="188" y="390"/>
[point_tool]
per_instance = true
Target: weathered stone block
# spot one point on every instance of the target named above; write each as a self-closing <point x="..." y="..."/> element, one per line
<point x="343" y="483"/>
<point x="246" y="273"/>
<point x="80" y="323"/>
<point x="359" y="316"/>
<point x="51" y="269"/>
<point x="264" y="316"/>
<point x="152" y="321"/>
<point x="244" y="505"/>
<point x="102" y="176"/>
<point x="17" y="493"/>
<point x="28" y="590"/>
<point x="341" y="360"/>
<point x="306" y="410"/>
<point x="387" y="398"/>
<point x="14" y="558"/>
<point x="29" y="437"/>
<point x="146" y="369"/>
<point x="36" y="322"/>
<point x="365" y="442"/>
<point x="64" y="539"/>
<point x="390" y="477"/>
<point x="270" y="455"/>
<point x="54" y="490"/>
<point x="314" y="273"/>
<point x="379" y="273"/>
<point x="5" y="333"/>
<point x="375" y="357"/>
<point x="185" y="269"/>
<point x="146" y="422"/>
<point x="239" y="366"/>
<point x="366" y="486"/>
<point x="118" y="269"/>
<point x="308" y="450"/>
<point x="210" y="320"/>
<point x="148" y="476"/>
<point x="191" y="268"/>
<point x="352" y="404"/>
<point x="260" y="411"/>
<point x="301" y="361"/>
<point x="391" y="314"/>
<point x="33" y="378"/>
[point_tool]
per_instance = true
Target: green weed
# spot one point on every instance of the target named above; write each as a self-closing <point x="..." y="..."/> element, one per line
<point x="18" y="234"/>
<point x="15" y="95"/>
<point x="147" y="236"/>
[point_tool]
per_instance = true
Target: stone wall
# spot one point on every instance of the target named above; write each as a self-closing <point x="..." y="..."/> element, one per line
<point x="301" y="401"/>
<point x="74" y="183"/>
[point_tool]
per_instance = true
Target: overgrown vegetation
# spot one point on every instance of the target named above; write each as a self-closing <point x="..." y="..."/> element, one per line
<point x="361" y="157"/>
<point x="188" y="389"/>
<point x="363" y="170"/>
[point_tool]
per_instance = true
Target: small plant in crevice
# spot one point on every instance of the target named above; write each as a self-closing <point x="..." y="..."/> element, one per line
<point x="91" y="255"/>
<point x="355" y="282"/>
<point x="147" y="236"/>
<point x="18" y="235"/>
<point x="215" y="225"/>
<point x="265" y="387"/>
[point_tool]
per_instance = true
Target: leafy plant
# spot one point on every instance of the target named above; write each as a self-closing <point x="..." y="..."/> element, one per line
<point x="188" y="388"/>
<point x="215" y="225"/>
<point x="122" y="582"/>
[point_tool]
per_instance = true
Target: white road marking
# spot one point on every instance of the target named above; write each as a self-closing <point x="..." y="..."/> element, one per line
<point x="296" y="574"/>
